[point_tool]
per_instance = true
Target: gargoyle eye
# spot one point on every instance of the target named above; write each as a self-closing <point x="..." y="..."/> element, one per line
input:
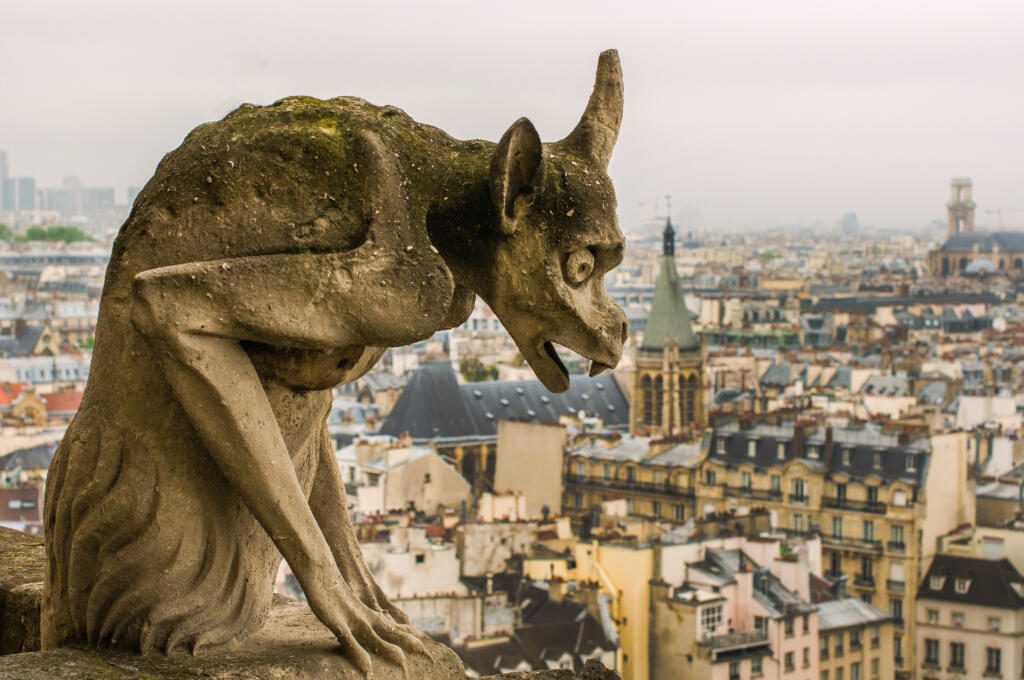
<point x="579" y="266"/>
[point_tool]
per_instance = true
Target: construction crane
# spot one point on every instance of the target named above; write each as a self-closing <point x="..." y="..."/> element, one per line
<point x="999" y="212"/>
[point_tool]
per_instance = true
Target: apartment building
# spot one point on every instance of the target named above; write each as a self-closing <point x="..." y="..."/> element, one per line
<point x="879" y="499"/>
<point x="855" y="641"/>
<point x="970" y="619"/>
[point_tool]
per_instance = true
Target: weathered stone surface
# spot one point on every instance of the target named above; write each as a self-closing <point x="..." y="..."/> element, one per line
<point x="273" y="256"/>
<point x="293" y="645"/>
<point x="22" y="561"/>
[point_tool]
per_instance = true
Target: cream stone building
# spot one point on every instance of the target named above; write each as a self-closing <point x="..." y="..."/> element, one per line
<point x="855" y="641"/>
<point x="970" y="619"/>
<point x="879" y="499"/>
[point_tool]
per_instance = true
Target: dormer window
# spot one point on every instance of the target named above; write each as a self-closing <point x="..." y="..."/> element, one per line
<point x="876" y="460"/>
<point x="720" y="446"/>
<point x="847" y="456"/>
<point x="962" y="585"/>
<point x="936" y="582"/>
<point x="751" y="448"/>
<point x="780" y="451"/>
<point x="813" y="452"/>
<point x="911" y="463"/>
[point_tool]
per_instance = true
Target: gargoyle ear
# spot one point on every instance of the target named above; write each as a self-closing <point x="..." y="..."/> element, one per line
<point x="516" y="170"/>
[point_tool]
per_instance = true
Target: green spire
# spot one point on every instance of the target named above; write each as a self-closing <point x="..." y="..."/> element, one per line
<point x="669" y="321"/>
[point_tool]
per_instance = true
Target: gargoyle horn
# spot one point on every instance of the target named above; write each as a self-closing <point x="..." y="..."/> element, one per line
<point x="595" y="134"/>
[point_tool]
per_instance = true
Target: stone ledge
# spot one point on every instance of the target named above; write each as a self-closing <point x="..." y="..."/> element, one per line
<point x="293" y="645"/>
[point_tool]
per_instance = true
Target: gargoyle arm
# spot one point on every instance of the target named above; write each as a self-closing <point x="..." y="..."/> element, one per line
<point x="194" y="316"/>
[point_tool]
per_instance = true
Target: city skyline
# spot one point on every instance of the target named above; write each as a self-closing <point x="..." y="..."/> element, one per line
<point x="754" y="116"/>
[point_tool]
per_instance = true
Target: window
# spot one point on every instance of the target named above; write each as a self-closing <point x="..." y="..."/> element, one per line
<point x="813" y="452"/>
<point x="897" y="645"/>
<point x="835" y="564"/>
<point x="962" y="585"/>
<point x="755" y="667"/>
<point x="993" y="660"/>
<point x="838" y="649"/>
<point x="578" y="499"/>
<point x="958" y="619"/>
<point x="824" y="675"/>
<point x="678" y="512"/>
<point x="867" y="567"/>
<point x="933" y="616"/>
<point x="630" y="506"/>
<point x="806" y="623"/>
<point x="876" y="636"/>
<point x="789" y="626"/>
<point x="847" y="456"/>
<point x="855" y="670"/>
<point x="745" y="480"/>
<point x="899" y="498"/>
<point x="798" y="522"/>
<point x="606" y="471"/>
<point x="855" y="639"/>
<point x="790" y="665"/>
<point x="751" y="448"/>
<point x="761" y="623"/>
<point x="709" y="477"/>
<point x="874" y="669"/>
<point x="798" y="487"/>
<point x="839" y="674"/>
<point x="711" y="619"/>
<point x="911" y="463"/>
<point x="931" y="652"/>
<point x="896" y="535"/>
<point x="780" y="451"/>
<point x="936" y="582"/>
<point x="631" y="474"/>
<point x="896" y="608"/>
<point x="421" y="558"/>
<point x="823" y="646"/>
<point x="993" y="624"/>
<point x="841" y="493"/>
<point x="656" y="508"/>
<point x="720" y="446"/>
<point x="837" y="527"/>
<point x="876" y="460"/>
<point x="581" y="468"/>
<point x="807" y="657"/>
<point x="776" y="482"/>
<point x="869" y="530"/>
<point x="956" y="655"/>
<point x="734" y="670"/>
<point x="872" y="495"/>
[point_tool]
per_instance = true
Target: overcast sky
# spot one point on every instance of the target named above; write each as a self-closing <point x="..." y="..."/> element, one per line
<point x="755" y="112"/>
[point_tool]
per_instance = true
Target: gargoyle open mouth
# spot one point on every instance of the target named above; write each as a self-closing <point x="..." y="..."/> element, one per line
<point x="551" y="371"/>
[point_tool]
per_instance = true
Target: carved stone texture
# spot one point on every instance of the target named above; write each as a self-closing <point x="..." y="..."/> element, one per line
<point x="272" y="256"/>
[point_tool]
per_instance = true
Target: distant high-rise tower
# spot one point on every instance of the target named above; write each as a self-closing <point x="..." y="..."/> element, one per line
<point x="668" y="392"/>
<point x="4" y="176"/>
<point x="961" y="207"/>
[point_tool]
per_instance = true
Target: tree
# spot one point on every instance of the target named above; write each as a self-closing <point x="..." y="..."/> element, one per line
<point x="55" y="233"/>
<point x="6" y="233"/>
<point x="474" y="370"/>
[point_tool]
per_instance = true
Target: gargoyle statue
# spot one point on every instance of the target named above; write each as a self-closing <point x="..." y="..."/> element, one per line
<point x="272" y="257"/>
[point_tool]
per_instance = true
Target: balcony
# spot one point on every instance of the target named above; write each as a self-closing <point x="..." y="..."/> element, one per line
<point x="856" y="506"/>
<point x="864" y="581"/>
<point x="896" y="546"/>
<point x="736" y="640"/>
<point x="798" y="498"/>
<point x="660" y="488"/>
<point x="755" y="494"/>
<point x="852" y="544"/>
<point x="895" y="586"/>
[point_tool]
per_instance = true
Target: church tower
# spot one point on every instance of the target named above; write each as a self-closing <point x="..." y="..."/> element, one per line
<point x="668" y="388"/>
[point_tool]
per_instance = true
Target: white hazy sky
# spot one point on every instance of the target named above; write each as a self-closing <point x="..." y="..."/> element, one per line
<point x="755" y="112"/>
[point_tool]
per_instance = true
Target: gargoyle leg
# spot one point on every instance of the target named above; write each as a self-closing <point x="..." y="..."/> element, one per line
<point x="194" y="317"/>
<point x="327" y="499"/>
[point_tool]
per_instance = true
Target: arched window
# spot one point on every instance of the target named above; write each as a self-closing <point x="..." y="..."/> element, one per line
<point x="648" y="397"/>
<point x="659" y="399"/>
<point x="691" y="399"/>
<point x="1018" y="264"/>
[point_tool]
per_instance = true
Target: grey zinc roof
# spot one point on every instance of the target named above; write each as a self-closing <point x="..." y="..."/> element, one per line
<point x="847" y="613"/>
<point x="434" y="405"/>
